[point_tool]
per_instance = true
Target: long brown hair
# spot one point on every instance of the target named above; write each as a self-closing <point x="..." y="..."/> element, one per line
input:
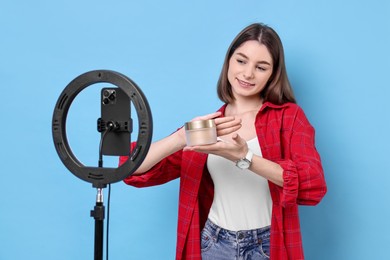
<point x="278" y="89"/>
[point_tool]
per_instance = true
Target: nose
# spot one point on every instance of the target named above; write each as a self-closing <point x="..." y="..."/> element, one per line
<point x="248" y="72"/>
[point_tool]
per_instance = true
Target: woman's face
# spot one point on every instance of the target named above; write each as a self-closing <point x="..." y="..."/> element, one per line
<point x="250" y="67"/>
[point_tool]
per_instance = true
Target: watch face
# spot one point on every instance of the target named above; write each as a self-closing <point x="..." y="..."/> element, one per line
<point x="243" y="164"/>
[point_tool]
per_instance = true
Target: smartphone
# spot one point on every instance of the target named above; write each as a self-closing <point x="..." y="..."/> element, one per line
<point x="115" y="111"/>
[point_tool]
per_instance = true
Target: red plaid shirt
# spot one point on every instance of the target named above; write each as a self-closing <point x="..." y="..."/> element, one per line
<point x="285" y="137"/>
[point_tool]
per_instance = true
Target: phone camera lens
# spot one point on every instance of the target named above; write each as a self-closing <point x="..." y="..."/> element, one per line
<point x="112" y="96"/>
<point x="106" y="93"/>
<point x="106" y="101"/>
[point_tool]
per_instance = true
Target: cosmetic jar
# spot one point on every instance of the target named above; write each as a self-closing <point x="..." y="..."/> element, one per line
<point x="200" y="132"/>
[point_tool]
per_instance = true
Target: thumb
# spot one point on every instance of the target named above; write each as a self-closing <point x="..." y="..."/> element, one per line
<point x="238" y="139"/>
<point x="241" y="146"/>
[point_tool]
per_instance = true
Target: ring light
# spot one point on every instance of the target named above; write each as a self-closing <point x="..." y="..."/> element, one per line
<point x="100" y="176"/>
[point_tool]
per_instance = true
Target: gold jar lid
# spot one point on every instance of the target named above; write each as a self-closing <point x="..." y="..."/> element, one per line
<point x="199" y="124"/>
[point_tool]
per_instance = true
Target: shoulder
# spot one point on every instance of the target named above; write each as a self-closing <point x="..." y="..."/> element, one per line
<point x="289" y="113"/>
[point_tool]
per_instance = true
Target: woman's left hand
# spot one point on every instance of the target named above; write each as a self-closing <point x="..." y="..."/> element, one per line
<point x="233" y="150"/>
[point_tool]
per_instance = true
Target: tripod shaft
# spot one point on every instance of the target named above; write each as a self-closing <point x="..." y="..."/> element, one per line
<point x="98" y="214"/>
<point x="99" y="226"/>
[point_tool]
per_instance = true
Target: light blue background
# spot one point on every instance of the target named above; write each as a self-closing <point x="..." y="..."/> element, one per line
<point x="337" y="54"/>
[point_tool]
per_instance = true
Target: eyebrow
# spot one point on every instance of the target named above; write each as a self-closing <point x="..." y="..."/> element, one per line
<point x="259" y="62"/>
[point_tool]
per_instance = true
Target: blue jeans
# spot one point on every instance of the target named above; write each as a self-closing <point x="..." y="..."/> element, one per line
<point x="221" y="244"/>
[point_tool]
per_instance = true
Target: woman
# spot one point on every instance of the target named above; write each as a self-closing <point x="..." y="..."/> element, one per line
<point x="239" y="197"/>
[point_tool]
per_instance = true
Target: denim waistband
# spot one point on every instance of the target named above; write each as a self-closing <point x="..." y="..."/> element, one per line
<point x="237" y="236"/>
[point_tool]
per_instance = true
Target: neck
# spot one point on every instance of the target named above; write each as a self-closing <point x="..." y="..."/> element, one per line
<point x="241" y="107"/>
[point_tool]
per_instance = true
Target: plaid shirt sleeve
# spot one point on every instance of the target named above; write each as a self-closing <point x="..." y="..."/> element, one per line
<point x="303" y="176"/>
<point x="295" y="152"/>
<point x="166" y="170"/>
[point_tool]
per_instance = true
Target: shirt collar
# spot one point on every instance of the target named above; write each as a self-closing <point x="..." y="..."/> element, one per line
<point x="274" y="106"/>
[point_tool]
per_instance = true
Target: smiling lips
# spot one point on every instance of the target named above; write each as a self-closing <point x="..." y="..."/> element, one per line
<point x="245" y="84"/>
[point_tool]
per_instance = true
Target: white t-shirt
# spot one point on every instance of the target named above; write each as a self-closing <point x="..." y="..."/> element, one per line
<point x="242" y="199"/>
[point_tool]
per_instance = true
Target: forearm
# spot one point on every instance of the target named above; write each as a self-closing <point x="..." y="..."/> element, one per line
<point x="267" y="169"/>
<point x="161" y="149"/>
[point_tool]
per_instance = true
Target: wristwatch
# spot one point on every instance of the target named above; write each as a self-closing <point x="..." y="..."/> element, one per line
<point x="245" y="162"/>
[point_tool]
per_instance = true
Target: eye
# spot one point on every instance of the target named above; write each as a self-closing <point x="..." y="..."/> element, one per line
<point x="240" y="61"/>
<point x="261" y="68"/>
